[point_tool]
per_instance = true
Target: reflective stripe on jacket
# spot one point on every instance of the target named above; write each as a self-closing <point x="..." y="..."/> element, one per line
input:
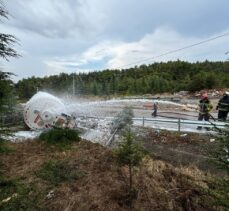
<point x="223" y="104"/>
<point x="205" y="106"/>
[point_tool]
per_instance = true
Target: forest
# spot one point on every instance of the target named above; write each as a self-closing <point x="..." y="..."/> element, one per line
<point x="154" y="78"/>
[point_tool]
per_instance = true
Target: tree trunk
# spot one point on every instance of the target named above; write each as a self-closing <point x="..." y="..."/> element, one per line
<point x="130" y="178"/>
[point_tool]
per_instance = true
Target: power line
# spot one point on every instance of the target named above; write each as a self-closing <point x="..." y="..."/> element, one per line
<point x="174" y="51"/>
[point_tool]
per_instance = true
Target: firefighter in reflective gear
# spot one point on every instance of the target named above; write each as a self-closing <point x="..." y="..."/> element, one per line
<point x="223" y="107"/>
<point x="205" y="107"/>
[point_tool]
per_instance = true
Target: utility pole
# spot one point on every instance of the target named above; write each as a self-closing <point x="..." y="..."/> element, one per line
<point x="73" y="85"/>
<point x="226" y="54"/>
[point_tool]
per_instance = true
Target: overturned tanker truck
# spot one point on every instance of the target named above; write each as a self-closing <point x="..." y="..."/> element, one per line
<point x="44" y="111"/>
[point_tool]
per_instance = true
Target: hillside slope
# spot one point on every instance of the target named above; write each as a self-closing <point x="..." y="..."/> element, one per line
<point x="86" y="177"/>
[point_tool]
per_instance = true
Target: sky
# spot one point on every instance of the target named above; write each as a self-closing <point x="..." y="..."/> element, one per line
<point x="76" y="36"/>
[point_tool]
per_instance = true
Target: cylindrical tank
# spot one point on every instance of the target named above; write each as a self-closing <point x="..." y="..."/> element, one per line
<point x="42" y="111"/>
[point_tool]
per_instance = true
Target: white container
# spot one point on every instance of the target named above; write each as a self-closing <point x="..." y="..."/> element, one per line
<point x="42" y="111"/>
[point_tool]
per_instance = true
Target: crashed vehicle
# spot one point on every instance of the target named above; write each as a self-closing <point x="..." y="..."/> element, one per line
<point x="44" y="110"/>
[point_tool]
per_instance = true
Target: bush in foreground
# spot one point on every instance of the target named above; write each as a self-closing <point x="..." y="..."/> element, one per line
<point x="60" y="136"/>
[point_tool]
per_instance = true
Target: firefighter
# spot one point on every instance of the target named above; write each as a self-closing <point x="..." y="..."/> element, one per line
<point x="155" y="107"/>
<point x="205" y="107"/>
<point x="223" y="107"/>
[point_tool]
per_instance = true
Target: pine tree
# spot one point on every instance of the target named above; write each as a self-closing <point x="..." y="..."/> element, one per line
<point x="129" y="154"/>
<point x="6" y="40"/>
<point x="6" y="85"/>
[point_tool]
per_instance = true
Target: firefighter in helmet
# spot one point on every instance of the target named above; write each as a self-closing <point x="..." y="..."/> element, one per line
<point x="205" y="107"/>
<point x="223" y="107"/>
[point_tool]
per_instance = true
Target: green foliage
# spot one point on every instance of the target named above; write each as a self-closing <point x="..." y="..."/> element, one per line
<point x="151" y="79"/>
<point x="7" y="101"/>
<point x="23" y="197"/>
<point x="59" y="171"/>
<point x="61" y="137"/>
<point x="219" y="191"/>
<point x="221" y="153"/>
<point x="6" y="40"/>
<point x="27" y="88"/>
<point x="198" y="82"/>
<point x="4" y="147"/>
<point x="124" y="118"/>
<point x="6" y="92"/>
<point x="211" y="81"/>
<point x="128" y="152"/>
<point x="19" y="196"/>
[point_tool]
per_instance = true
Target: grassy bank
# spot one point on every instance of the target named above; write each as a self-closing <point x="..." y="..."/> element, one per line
<point x="87" y="177"/>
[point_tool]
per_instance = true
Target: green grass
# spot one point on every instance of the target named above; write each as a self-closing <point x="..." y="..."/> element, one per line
<point x="59" y="171"/>
<point x="4" y="148"/>
<point x="15" y="194"/>
<point x="219" y="190"/>
<point x="60" y="137"/>
<point x="22" y="197"/>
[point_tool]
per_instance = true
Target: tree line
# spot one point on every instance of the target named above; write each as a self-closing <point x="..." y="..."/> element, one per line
<point x="145" y="79"/>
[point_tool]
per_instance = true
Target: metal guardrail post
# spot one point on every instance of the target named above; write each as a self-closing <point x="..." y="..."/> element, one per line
<point x="179" y="125"/>
<point x="143" y="121"/>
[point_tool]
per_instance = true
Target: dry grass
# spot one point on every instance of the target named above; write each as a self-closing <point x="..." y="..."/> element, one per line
<point x="160" y="186"/>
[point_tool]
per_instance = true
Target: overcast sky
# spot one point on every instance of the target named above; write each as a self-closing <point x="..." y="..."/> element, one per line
<point x="84" y="35"/>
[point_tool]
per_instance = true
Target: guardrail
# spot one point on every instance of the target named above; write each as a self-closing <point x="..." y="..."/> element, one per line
<point x="173" y="99"/>
<point x="179" y="122"/>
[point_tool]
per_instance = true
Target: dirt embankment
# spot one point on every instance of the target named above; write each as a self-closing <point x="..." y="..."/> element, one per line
<point x="181" y="148"/>
<point x="101" y="184"/>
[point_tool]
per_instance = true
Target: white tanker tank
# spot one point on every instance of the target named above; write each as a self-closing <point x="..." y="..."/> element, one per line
<point x="44" y="110"/>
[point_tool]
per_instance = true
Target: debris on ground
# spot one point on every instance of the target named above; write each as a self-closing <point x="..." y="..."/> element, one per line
<point x="50" y="194"/>
<point x="9" y="198"/>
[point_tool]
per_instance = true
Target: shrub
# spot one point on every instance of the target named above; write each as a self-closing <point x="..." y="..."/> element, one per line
<point x="60" y="136"/>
